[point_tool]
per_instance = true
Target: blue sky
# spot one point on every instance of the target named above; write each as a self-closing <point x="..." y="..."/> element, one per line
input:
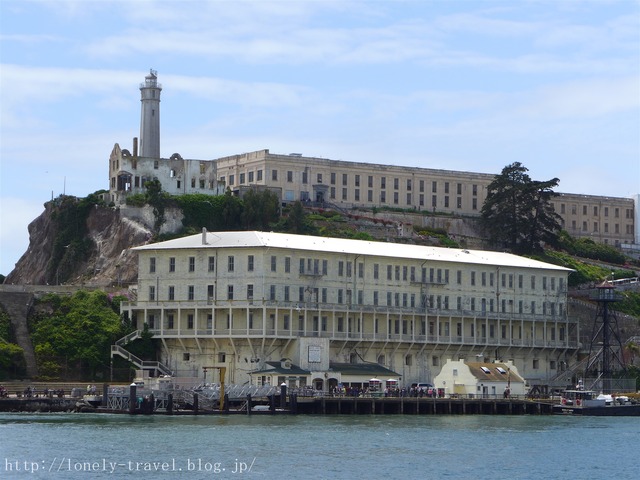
<point x="461" y="85"/>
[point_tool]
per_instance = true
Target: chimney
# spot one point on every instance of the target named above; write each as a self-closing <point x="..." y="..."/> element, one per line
<point x="204" y="236"/>
<point x="135" y="146"/>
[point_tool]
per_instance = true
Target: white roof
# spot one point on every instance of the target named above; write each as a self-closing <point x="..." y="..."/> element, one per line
<point x="341" y="245"/>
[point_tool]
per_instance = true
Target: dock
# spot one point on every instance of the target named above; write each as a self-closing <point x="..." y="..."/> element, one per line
<point x="180" y="402"/>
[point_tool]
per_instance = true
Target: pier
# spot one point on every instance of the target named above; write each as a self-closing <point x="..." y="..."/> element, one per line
<point x="129" y="400"/>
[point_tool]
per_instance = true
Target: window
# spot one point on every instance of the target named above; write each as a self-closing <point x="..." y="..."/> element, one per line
<point x="190" y="292"/>
<point x="212" y="263"/>
<point x="172" y="293"/>
<point x="152" y="293"/>
<point x="249" y="292"/>
<point x="304" y="177"/>
<point x="192" y="264"/>
<point x="230" y="292"/>
<point x="333" y="179"/>
<point x="152" y="265"/>
<point x="274" y="260"/>
<point x="272" y="292"/>
<point x="289" y="176"/>
<point x="230" y="263"/>
<point x="190" y="321"/>
<point x="287" y="264"/>
<point x="172" y="264"/>
<point x="274" y="175"/>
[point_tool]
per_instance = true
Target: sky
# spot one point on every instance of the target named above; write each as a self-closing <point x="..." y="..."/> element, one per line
<point x="460" y="85"/>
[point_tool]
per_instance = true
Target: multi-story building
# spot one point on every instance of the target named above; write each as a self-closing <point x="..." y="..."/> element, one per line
<point x="241" y="299"/>
<point x="608" y="220"/>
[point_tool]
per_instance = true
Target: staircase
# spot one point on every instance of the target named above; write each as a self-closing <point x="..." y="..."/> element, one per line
<point x="118" y="349"/>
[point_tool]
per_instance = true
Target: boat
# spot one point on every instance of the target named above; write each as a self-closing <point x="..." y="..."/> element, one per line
<point x="588" y="402"/>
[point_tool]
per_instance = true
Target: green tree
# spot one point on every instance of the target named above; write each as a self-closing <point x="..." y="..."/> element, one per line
<point x="260" y="209"/>
<point x="518" y="214"/>
<point x="79" y="329"/>
<point x="231" y="211"/>
<point x="296" y="221"/>
<point x="158" y="201"/>
<point x="12" y="362"/>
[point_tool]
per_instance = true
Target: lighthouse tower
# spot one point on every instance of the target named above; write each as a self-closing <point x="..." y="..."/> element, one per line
<point x="150" y="116"/>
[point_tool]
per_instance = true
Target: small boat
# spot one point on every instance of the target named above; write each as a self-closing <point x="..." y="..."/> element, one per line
<point x="588" y="402"/>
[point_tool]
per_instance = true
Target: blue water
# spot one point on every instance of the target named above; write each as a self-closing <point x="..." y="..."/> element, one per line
<point x="68" y="445"/>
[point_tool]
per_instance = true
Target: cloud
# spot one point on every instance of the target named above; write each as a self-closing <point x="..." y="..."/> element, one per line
<point x="14" y="237"/>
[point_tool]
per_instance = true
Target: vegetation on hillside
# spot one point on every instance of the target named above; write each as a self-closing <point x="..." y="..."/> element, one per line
<point x="629" y="303"/>
<point x="587" y="248"/>
<point x="585" y="273"/>
<point x="12" y="363"/>
<point x="72" y="335"/>
<point x="71" y="244"/>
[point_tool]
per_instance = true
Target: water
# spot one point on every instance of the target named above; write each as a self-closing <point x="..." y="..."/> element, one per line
<point x="61" y="446"/>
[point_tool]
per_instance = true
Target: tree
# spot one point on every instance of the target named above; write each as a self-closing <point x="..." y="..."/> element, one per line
<point x="79" y="329"/>
<point x="260" y="209"/>
<point x="158" y="200"/>
<point x="296" y="221"/>
<point x="517" y="213"/>
<point x="231" y="211"/>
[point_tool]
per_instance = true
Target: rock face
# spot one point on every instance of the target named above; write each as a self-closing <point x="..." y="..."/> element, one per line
<point x="110" y="263"/>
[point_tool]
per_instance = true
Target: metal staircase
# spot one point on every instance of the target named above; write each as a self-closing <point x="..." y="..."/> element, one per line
<point x="117" y="349"/>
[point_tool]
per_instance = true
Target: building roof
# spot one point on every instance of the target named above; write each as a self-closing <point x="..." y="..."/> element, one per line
<point x="287" y="241"/>
<point x="489" y="372"/>
<point x="367" y="369"/>
<point x="278" y="369"/>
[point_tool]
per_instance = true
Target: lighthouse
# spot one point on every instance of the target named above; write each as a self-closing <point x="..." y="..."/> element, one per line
<point x="150" y="116"/>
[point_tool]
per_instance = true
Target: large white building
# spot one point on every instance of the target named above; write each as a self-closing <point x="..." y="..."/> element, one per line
<point x="241" y="299"/>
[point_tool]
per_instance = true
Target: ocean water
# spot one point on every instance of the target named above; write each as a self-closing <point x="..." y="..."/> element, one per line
<point x="81" y="445"/>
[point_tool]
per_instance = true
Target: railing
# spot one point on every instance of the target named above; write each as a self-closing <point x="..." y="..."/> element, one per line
<point x="128" y="338"/>
<point x="141" y="364"/>
<point x="340" y="335"/>
<point x="353" y="308"/>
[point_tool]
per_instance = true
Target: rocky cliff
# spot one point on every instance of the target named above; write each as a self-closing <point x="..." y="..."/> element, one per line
<point x="100" y="254"/>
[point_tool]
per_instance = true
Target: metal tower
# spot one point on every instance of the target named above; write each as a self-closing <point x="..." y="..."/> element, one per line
<point x="150" y="116"/>
<point x="605" y="350"/>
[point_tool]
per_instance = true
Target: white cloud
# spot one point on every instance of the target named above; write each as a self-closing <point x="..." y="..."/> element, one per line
<point x="14" y="236"/>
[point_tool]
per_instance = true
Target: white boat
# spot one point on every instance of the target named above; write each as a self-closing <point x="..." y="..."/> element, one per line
<point x="588" y="402"/>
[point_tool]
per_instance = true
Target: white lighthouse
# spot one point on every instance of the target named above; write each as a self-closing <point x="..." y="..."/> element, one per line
<point x="150" y="116"/>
